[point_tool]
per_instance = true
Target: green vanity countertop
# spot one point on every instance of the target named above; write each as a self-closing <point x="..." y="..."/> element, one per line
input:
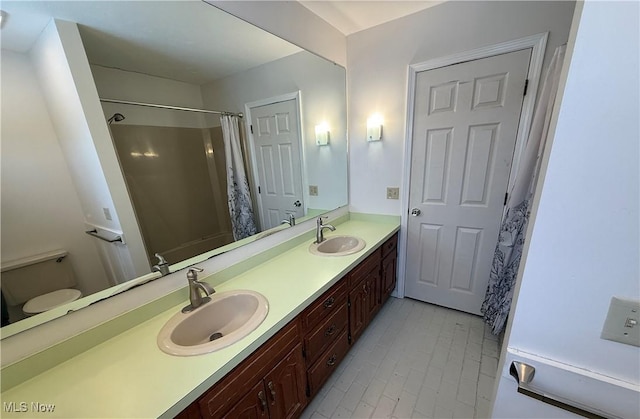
<point x="129" y="376"/>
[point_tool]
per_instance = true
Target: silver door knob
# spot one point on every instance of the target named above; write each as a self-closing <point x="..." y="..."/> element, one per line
<point x="297" y="204"/>
<point x="415" y="212"/>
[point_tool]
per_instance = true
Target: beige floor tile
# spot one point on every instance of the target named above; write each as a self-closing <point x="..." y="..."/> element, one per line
<point x="415" y="360"/>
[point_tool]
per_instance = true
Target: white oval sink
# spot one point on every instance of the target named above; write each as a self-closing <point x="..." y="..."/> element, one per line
<point x="224" y="320"/>
<point x="338" y="246"/>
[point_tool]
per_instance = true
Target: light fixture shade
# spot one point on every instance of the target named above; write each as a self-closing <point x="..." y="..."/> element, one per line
<point x="374" y="127"/>
<point x="322" y="134"/>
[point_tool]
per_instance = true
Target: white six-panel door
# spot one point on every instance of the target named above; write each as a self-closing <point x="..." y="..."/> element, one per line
<point x="277" y="151"/>
<point x="465" y="123"/>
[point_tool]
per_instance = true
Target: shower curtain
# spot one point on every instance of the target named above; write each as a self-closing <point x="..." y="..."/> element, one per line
<point x="508" y="252"/>
<point x="239" y="197"/>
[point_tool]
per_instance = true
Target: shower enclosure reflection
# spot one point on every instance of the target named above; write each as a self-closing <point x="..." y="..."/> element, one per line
<point x="177" y="183"/>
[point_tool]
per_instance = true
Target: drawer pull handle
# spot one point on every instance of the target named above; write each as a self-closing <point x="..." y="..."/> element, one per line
<point x="273" y="392"/>
<point x="364" y="289"/>
<point x="332" y="361"/>
<point x="329" y="302"/>
<point x="263" y="401"/>
<point x="330" y="331"/>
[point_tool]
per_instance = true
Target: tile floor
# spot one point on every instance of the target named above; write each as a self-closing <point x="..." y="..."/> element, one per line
<point x="415" y="360"/>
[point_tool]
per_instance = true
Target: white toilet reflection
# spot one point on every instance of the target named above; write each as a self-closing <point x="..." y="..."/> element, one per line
<point x="40" y="282"/>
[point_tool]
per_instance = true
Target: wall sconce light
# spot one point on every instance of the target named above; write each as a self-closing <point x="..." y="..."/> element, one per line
<point x="374" y="127"/>
<point x="322" y="134"/>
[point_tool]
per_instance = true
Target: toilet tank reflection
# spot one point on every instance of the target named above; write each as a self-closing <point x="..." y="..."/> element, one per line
<point x="37" y="281"/>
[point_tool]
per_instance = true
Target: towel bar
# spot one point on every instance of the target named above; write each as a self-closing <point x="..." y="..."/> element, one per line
<point x="94" y="233"/>
<point x="523" y="373"/>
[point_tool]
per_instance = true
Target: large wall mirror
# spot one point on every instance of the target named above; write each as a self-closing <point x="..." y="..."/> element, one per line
<point x="183" y="89"/>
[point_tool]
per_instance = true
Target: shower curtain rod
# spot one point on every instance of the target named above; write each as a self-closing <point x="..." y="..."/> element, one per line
<point x="175" y="108"/>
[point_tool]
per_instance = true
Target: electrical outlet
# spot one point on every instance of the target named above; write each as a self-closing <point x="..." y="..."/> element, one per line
<point x="313" y="190"/>
<point x="393" y="193"/>
<point x="623" y="322"/>
<point x="107" y="213"/>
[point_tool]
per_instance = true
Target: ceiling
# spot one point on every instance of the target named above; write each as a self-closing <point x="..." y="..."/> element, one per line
<point x="190" y="41"/>
<point x="350" y="16"/>
<point x="169" y="40"/>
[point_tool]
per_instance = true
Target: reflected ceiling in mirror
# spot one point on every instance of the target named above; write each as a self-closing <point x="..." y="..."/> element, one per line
<point x="204" y="59"/>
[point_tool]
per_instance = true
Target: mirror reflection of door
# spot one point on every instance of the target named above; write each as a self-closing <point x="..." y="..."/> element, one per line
<point x="277" y="152"/>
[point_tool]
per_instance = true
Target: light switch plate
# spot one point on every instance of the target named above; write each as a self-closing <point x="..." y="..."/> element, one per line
<point x="313" y="190"/>
<point x="107" y="213"/>
<point x="393" y="193"/>
<point x="623" y="322"/>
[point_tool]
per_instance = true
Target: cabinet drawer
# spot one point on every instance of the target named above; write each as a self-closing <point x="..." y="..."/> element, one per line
<point x="318" y="339"/>
<point x="370" y="263"/>
<point x="325" y="306"/>
<point x="327" y="363"/>
<point x="390" y="245"/>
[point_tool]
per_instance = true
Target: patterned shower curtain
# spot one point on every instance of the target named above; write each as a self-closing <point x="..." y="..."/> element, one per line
<point x="506" y="259"/>
<point x="239" y="197"/>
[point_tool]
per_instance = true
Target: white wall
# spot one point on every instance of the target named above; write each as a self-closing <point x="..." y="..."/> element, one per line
<point x="323" y="90"/>
<point x="136" y="87"/>
<point x="41" y="210"/>
<point x="378" y="60"/>
<point x="584" y="242"/>
<point x="291" y="21"/>
<point x="64" y="75"/>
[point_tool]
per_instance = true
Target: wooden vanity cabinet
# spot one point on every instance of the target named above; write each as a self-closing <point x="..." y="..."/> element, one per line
<point x="324" y="320"/>
<point x="269" y="383"/>
<point x="251" y="405"/>
<point x="285" y="386"/>
<point x="320" y="371"/>
<point x="281" y="394"/>
<point x="325" y="335"/>
<point x="389" y="267"/>
<point x="364" y="294"/>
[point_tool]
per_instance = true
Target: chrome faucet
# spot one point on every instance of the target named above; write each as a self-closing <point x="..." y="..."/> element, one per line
<point x="291" y="221"/>
<point x="195" y="289"/>
<point x="162" y="266"/>
<point x="320" y="229"/>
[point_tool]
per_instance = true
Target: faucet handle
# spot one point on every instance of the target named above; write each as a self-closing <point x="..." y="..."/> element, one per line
<point x="192" y="273"/>
<point x="161" y="260"/>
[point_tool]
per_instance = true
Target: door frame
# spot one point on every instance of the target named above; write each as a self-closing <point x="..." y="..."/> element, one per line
<point x="297" y="97"/>
<point x="538" y="45"/>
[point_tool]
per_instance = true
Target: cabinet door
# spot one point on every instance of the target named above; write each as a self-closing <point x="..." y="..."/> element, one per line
<point x="285" y="386"/>
<point x="358" y="310"/>
<point x="252" y="405"/>
<point x="372" y="292"/>
<point x="225" y="394"/>
<point x="389" y="266"/>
